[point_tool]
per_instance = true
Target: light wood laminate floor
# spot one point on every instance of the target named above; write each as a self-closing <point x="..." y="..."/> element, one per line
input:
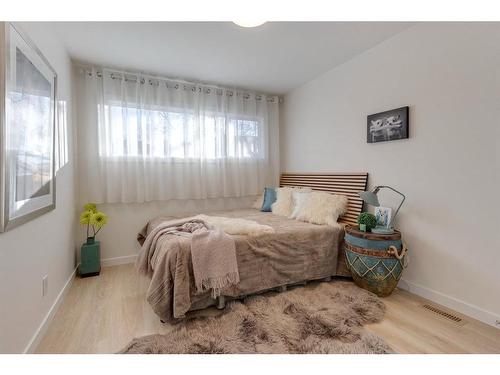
<point x="101" y="314"/>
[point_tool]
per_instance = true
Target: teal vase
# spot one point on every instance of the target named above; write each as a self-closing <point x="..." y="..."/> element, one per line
<point x="90" y="255"/>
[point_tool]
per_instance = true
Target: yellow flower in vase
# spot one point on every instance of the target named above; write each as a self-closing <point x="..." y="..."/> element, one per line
<point x="90" y="207"/>
<point x="85" y="217"/>
<point x="98" y="219"/>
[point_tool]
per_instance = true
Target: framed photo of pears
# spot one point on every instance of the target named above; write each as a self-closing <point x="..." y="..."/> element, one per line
<point x="27" y="129"/>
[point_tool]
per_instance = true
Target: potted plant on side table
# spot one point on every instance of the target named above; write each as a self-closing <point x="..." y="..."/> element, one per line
<point x="366" y="221"/>
<point x="90" y="253"/>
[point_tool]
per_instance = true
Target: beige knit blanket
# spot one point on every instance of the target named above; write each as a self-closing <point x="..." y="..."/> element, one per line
<point x="213" y="253"/>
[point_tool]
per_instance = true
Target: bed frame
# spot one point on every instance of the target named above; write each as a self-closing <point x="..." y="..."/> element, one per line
<point x="348" y="184"/>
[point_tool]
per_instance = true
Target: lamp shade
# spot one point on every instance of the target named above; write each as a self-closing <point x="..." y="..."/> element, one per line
<point x="369" y="198"/>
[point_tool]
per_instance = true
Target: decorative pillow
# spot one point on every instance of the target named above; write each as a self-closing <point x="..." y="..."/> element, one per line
<point x="323" y="208"/>
<point x="258" y="202"/>
<point x="297" y="191"/>
<point x="284" y="202"/>
<point x="299" y="198"/>
<point x="269" y="199"/>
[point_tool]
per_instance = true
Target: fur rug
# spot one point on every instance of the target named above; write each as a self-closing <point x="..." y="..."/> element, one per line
<point x="322" y="317"/>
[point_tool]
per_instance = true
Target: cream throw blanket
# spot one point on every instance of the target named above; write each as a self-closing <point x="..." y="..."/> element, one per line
<point x="213" y="251"/>
<point x="213" y="254"/>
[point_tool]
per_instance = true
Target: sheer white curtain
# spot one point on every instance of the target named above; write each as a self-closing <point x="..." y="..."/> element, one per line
<point x="143" y="138"/>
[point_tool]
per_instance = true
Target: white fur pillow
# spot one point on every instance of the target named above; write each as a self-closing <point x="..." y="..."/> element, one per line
<point x="259" y="201"/>
<point x="284" y="202"/>
<point x="299" y="199"/>
<point x="322" y="208"/>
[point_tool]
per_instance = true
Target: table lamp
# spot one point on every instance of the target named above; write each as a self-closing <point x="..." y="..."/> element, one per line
<point x="370" y="197"/>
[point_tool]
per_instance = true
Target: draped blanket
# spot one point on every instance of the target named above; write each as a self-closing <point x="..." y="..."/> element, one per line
<point x="213" y="253"/>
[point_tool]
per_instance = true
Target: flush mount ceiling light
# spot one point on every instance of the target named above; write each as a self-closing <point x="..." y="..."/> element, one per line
<point x="249" y="23"/>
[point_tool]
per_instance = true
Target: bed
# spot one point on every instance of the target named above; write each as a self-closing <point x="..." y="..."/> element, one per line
<point x="296" y="252"/>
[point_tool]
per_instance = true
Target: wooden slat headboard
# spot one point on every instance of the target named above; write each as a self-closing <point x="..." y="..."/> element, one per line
<point x="348" y="184"/>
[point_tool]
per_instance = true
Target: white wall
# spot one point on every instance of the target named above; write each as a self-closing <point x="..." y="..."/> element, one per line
<point x="449" y="75"/>
<point x="44" y="246"/>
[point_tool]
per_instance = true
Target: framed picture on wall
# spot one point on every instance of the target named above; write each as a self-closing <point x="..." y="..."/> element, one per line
<point x="27" y="97"/>
<point x="388" y="125"/>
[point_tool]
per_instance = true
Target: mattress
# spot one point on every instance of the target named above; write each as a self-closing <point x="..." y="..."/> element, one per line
<point x="296" y="252"/>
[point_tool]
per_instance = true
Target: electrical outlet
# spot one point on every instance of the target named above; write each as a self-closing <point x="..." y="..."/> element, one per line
<point x="45" y="285"/>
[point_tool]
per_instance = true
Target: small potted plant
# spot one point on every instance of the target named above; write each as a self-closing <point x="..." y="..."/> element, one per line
<point x="90" y="264"/>
<point x="367" y="221"/>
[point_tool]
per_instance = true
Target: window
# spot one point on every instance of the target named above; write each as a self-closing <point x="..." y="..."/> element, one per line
<point x="155" y="133"/>
<point x="154" y="139"/>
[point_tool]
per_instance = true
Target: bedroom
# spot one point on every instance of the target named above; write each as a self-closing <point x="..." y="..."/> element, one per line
<point x="219" y="187"/>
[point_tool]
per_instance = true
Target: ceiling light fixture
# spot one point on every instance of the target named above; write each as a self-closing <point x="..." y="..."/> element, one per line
<point x="249" y="23"/>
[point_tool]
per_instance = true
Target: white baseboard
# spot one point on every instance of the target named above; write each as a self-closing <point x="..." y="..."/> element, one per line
<point x="118" y="260"/>
<point x="42" y="329"/>
<point x="452" y="303"/>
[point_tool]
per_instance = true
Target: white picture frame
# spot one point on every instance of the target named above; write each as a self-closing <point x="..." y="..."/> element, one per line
<point x="383" y="216"/>
<point x="27" y="129"/>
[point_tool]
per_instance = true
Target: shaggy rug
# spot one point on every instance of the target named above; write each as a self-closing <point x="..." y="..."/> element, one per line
<point x="325" y="317"/>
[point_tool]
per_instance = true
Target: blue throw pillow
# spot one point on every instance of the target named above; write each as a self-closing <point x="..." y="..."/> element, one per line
<point x="269" y="199"/>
